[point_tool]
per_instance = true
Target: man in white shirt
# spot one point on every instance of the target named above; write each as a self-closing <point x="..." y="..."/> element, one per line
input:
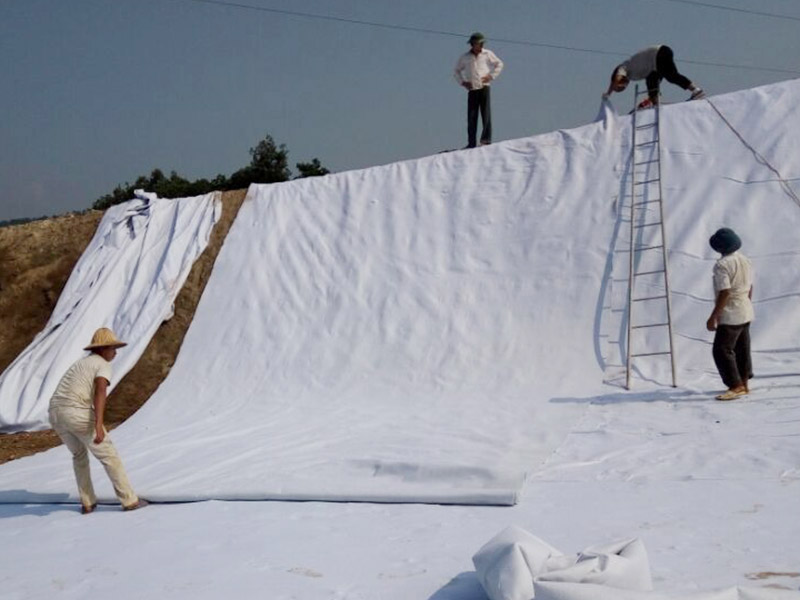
<point x="651" y="64"/>
<point x="76" y="413"/>
<point x="732" y="314"/>
<point x="475" y="70"/>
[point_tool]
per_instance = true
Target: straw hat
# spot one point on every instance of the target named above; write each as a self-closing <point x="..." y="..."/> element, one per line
<point x="105" y="338"/>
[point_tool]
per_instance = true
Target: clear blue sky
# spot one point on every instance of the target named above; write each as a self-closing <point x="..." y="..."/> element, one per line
<point x="98" y="92"/>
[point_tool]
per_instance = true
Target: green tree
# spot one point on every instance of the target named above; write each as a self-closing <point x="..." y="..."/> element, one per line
<point x="311" y="169"/>
<point x="268" y="164"/>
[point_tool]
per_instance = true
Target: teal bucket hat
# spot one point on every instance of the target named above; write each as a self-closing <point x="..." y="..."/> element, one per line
<point x="725" y="241"/>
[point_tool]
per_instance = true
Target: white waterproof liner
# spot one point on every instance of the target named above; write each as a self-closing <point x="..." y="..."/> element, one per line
<point x="127" y="279"/>
<point x="383" y="335"/>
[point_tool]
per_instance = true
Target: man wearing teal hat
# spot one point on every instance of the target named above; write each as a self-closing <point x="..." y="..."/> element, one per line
<point x="475" y="70"/>
<point x="732" y="314"/>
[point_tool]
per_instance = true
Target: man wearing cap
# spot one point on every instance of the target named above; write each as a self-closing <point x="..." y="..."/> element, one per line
<point x="651" y="64"/>
<point x="732" y="314"/>
<point x="76" y="414"/>
<point x="475" y="70"/>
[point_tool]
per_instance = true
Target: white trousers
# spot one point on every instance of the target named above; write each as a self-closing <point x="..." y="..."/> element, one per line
<point x="75" y="427"/>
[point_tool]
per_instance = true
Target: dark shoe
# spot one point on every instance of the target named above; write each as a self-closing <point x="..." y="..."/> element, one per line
<point x="141" y="503"/>
<point x="85" y="510"/>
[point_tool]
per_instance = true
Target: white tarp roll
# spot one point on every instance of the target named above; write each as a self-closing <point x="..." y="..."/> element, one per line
<point x="127" y="279"/>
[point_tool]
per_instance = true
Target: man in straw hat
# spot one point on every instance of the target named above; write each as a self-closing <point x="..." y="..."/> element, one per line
<point x="732" y="314"/>
<point x="475" y="70"/>
<point x="76" y="414"/>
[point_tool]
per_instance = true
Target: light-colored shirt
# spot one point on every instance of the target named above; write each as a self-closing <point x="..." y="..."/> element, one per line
<point x="641" y="64"/>
<point x="735" y="273"/>
<point x="76" y="388"/>
<point x="472" y="68"/>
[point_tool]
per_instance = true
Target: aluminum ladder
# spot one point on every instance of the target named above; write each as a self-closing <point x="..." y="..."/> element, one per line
<point x="648" y="272"/>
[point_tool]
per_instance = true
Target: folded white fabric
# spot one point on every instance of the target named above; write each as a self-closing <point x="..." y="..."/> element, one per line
<point x="621" y="564"/>
<point x="507" y="564"/>
<point x="510" y="563"/>
<point x="516" y="565"/>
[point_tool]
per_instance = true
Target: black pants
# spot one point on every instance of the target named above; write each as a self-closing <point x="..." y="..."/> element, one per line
<point x="479" y="100"/>
<point x="665" y="69"/>
<point x="732" y="354"/>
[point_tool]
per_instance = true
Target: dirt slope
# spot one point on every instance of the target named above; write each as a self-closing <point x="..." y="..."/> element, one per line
<point x="36" y="260"/>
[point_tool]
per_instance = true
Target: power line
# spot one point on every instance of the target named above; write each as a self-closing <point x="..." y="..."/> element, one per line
<point x="292" y="13"/>
<point x="745" y="11"/>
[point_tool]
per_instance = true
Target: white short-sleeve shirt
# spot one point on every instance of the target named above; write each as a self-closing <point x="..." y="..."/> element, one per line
<point x="76" y="388"/>
<point x="735" y="273"/>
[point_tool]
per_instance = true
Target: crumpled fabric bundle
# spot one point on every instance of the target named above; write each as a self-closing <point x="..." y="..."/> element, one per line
<point x="516" y="565"/>
<point x="510" y="564"/>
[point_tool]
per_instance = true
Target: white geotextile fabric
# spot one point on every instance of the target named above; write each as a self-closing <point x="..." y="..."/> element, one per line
<point x="383" y="335"/>
<point x="516" y="565"/>
<point x="510" y="563"/>
<point x="127" y="279"/>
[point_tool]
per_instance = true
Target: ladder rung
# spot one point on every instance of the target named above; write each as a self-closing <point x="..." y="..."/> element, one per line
<point x="651" y="354"/>
<point x="650" y="272"/>
<point x="646" y="182"/>
<point x="651" y="325"/>
<point x="646" y="225"/>
<point x="646" y="143"/>
<point x="648" y="298"/>
<point x="645" y="162"/>
<point x="647" y="202"/>
<point x="645" y="126"/>
<point x="639" y="249"/>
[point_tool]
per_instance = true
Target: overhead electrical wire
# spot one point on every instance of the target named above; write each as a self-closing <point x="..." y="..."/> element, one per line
<point x="307" y="15"/>
<point x="745" y="11"/>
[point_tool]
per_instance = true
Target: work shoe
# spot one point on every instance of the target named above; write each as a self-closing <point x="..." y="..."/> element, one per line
<point x="646" y="103"/>
<point x="732" y="394"/>
<point x="141" y="503"/>
<point x="697" y="94"/>
<point x="85" y="510"/>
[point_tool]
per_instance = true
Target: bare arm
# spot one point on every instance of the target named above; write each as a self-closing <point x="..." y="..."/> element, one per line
<point x="100" y="395"/>
<point x="722" y="300"/>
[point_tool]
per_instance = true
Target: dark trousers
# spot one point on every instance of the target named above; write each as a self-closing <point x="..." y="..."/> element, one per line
<point x="479" y="100"/>
<point x="665" y="69"/>
<point x="732" y="354"/>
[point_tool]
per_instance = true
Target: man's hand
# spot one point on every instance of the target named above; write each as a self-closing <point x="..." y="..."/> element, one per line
<point x="467" y="85"/>
<point x="99" y="434"/>
<point x="711" y="324"/>
<point x="486" y="79"/>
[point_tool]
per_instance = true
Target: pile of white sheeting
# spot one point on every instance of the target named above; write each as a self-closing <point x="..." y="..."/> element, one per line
<point x="516" y="565"/>
<point x="127" y="279"/>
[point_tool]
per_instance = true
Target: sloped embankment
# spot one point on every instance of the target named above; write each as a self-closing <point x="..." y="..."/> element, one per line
<point x="36" y="260"/>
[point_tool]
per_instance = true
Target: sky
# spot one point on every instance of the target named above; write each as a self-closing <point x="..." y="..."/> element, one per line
<point x="99" y="92"/>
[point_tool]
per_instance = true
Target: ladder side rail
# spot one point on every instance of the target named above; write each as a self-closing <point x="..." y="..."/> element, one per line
<point x="630" y="253"/>
<point x="664" y="250"/>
